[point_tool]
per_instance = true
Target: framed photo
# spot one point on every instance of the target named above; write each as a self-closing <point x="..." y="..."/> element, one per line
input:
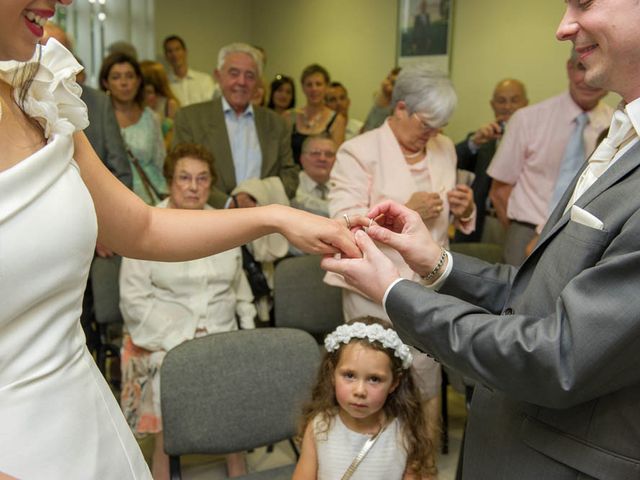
<point x="424" y="32"/>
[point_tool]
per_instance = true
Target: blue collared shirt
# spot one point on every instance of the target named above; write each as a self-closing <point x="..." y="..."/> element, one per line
<point x="243" y="139"/>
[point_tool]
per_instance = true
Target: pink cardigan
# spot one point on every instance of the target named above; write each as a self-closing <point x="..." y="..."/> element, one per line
<point x="371" y="168"/>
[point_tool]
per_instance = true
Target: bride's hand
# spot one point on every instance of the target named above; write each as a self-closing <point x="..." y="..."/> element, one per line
<point x="314" y="234"/>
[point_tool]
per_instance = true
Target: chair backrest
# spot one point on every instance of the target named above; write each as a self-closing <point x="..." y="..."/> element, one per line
<point x="235" y="391"/>
<point x="106" y="289"/>
<point x="302" y="300"/>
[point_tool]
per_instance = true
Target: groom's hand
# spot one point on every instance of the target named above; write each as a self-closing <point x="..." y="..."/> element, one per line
<point x="403" y="230"/>
<point x="372" y="274"/>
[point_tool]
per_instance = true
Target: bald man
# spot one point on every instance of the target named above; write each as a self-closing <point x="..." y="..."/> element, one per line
<point x="530" y="158"/>
<point x="477" y="150"/>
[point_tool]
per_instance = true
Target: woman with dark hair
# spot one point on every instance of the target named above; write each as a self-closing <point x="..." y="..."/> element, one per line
<point x="282" y="96"/>
<point x="121" y="78"/>
<point x="59" y="419"/>
<point x="315" y="117"/>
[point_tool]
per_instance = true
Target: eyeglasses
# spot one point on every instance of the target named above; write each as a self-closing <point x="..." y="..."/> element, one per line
<point x="425" y="123"/>
<point x="187" y="180"/>
<point x="319" y="153"/>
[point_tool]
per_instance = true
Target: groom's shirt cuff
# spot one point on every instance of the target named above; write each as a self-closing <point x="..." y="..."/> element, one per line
<point x="433" y="286"/>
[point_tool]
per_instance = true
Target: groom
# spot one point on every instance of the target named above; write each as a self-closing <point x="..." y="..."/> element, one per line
<point x="555" y="345"/>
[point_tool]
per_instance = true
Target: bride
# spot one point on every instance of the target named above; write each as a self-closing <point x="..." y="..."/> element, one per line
<point x="58" y="419"/>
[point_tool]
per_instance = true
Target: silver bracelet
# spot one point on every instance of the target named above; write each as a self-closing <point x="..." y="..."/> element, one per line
<point x="438" y="267"/>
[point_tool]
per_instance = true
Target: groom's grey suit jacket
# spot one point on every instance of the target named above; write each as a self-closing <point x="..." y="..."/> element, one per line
<point x="554" y="346"/>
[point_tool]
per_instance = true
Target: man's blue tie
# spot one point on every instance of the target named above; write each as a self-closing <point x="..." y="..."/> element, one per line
<point x="574" y="157"/>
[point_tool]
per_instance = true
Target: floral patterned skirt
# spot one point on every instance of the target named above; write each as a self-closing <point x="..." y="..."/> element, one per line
<point x="140" y="397"/>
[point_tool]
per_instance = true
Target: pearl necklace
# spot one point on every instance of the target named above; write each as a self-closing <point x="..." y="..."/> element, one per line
<point x="415" y="154"/>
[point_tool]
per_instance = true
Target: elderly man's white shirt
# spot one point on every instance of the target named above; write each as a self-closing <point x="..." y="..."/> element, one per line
<point x="194" y="87"/>
<point x="309" y="196"/>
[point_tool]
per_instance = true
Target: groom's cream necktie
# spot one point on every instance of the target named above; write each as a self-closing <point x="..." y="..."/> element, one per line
<point x="620" y="132"/>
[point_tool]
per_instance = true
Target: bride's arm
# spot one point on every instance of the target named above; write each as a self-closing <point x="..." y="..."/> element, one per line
<point x="131" y="228"/>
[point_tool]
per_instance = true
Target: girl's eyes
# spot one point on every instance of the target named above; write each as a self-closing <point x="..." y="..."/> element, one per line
<point x="372" y="379"/>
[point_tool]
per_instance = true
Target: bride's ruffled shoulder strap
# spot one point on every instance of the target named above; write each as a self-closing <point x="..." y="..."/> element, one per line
<point x="53" y="98"/>
<point x="63" y="68"/>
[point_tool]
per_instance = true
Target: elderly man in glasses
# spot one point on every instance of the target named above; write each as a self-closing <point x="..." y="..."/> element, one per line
<point x="317" y="159"/>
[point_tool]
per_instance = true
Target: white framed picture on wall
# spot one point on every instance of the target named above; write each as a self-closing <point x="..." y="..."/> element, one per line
<point x="424" y="32"/>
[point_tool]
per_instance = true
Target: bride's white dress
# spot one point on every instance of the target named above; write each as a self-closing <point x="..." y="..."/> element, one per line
<point x="58" y="418"/>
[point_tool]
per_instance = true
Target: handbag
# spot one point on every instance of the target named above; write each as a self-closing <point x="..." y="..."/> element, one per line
<point x="255" y="276"/>
<point x="154" y="194"/>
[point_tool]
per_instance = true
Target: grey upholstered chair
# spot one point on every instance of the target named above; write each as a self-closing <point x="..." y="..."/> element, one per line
<point x="303" y="300"/>
<point x="105" y="286"/>
<point x="236" y="391"/>
<point x="490" y="252"/>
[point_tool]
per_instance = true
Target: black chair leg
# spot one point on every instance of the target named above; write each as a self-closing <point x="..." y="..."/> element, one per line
<point x="175" y="472"/>
<point x="445" y="413"/>
<point x="106" y="350"/>
<point x="295" y="448"/>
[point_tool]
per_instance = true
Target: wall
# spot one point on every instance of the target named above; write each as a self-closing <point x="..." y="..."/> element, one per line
<point x="356" y="41"/>
<point x="204" y="25"/>
<point x="353" y="39"/>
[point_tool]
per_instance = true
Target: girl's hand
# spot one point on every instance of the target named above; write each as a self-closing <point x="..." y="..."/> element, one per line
<point x="461" y="202"/>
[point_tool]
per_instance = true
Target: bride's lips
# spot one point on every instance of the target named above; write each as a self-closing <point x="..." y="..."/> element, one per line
<point x="37" y="30"/>
<point x="38" y="18"/>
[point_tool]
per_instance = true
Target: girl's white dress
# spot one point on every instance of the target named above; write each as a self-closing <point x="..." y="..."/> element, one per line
<point x="58" y="418"/>
<point x="337" y="448"/>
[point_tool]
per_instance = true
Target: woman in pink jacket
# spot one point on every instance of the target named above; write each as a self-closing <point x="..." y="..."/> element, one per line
<point x="408" y="160"/>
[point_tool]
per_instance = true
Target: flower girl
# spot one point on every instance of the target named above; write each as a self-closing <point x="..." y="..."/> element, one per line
<point x="364" y="420"/>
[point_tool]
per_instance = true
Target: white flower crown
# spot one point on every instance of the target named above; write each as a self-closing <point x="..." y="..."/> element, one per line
<point x="376" y="332"/>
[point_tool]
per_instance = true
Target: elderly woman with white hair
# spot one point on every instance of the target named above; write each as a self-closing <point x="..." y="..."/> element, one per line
<point x="408" y="160"/>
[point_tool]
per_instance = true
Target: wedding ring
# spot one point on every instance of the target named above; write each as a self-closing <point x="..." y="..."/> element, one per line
<point x="346" y="219"/>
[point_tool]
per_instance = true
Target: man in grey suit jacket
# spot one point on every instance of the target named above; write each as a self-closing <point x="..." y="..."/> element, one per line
<point x="246" y="141"/>
<point x="103" y="133"/>
<point x="554" y="345"/>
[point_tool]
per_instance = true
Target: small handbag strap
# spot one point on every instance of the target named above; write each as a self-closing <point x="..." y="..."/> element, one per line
<point x="363" y="453"/>
<point x="146" y="181"/>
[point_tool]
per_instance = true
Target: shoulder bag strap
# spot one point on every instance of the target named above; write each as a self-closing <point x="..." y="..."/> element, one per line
<point x="363" y="453"/>
<point x="153" y="193"/>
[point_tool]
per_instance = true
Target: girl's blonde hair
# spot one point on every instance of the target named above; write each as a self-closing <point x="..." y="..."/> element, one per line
<point x="403" y="403"/>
